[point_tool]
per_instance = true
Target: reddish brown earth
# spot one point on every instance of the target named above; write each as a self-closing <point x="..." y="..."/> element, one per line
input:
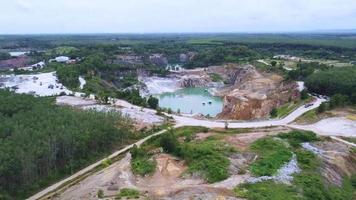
<point x="253" y="94"/>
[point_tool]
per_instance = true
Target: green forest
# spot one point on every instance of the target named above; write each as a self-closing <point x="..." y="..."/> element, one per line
<point x="333" y="81"/>
<point x="41" y="142"/>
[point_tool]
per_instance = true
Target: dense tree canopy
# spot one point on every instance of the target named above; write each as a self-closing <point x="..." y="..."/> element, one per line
<point x="333" y="81"/>
<point x="4" y="56"/>
<point x="41" y="142"/>
<point x="219" y="55"/>
<point x="305" y="69"/>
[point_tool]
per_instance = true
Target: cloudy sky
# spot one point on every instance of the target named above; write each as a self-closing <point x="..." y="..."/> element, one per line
<point x="146" y="16"/>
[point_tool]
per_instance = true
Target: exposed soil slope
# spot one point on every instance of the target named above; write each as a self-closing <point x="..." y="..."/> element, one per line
<point x="253" y="94"/>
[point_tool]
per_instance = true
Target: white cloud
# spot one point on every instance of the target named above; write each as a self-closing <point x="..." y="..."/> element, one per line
<point x="66" y="16"/>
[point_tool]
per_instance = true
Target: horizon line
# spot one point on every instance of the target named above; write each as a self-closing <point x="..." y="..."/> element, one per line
<point x="326" y="31"/>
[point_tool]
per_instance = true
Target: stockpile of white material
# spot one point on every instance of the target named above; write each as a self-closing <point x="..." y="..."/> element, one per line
<point x="44" y="84"/>
<point x="82" y="82"/>
<point x="301" y="86"/>
<point x="157" y="85"/>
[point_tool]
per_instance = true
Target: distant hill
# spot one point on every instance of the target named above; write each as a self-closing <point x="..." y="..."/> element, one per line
<point x="346" y="31"/>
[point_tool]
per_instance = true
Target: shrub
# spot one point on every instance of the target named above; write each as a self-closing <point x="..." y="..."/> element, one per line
<point x="208" y="158"/>
<point x="129" y="193"/>
<point x="353" y="180"/>
<point x="306" y="160"/>
<point x="304" y="94"/>
<point x="106" y="163"/>
<point x="322" y="108"/>
<point x="169" y="143"/>
<point x="143" y="166"/>
<point x="100" y="194"/>
<point x="274" y="112"/>
<point x="213" y="167"/>
<point x="297" y="137"/>
<point x="338" y="100"/>
<point x="152" y="102"/>
<point x="141" y="163"/>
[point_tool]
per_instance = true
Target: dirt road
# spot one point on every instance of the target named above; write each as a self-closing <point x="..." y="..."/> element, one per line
<point x="187" y="121"/>
<point x="183" y="121"/>
<point x="88" y="169"/>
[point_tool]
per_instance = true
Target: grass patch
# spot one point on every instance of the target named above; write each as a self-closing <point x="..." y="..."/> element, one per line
<point x="307" y="185"/>
<point x="189" y="131"/>
<point x="208" y="158"/>
<point x="350" y="139"/>
<point x="128" y="193"/>
<point x="142" y="162"/>
<point x="313" y="187"/>
<point x="306" y="159"/>
<point x="295" y="138"/>
<point x="233" y="130"/>
<point x="215" y="77"/>
<point x="273" y="154"/>
<point x="267" y="190"/>
<point x="287" y="108"/>
<point x="309" y="117"/>
<point x="351" y="117"/>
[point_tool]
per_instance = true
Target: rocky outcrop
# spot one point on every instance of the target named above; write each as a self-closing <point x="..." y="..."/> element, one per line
<point x="252" y="95"/>
<point x="158" y="59"/>
<point x="194" y="81"/>
<point x="337" y="160"/>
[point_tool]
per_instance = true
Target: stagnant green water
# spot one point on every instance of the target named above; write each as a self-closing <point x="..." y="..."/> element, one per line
<point x="192" y="100"/>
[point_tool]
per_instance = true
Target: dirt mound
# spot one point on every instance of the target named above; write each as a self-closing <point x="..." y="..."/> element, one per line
<point x="167" y="177"/>
<point x="242" y="141"/>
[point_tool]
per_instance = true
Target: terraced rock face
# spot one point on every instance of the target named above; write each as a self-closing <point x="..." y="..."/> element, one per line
<point x="252" y="95"/>
<point x="188" y="81"/>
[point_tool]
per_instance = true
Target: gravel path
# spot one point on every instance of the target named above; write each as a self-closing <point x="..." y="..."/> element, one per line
<point x="336" y="126"/>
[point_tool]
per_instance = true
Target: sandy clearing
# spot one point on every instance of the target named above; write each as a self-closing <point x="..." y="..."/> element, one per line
<point x="142" y="116"/>
<point x="117" y="175"/>
<point x="74" y="101"/>
<point x="43" y="84"/>
<point x="335" y="126"/>
<point x="242" y="141"/>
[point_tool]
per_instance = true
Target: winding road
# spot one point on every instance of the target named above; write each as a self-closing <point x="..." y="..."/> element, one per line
<point x="187" y="121"/>
<point x="181" y="121"/>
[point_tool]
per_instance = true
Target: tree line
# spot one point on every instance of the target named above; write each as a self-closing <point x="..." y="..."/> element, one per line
<point x="41" y="142"/>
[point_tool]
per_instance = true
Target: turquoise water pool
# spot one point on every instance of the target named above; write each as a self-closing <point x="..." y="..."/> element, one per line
<point x="191" y="100"/>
